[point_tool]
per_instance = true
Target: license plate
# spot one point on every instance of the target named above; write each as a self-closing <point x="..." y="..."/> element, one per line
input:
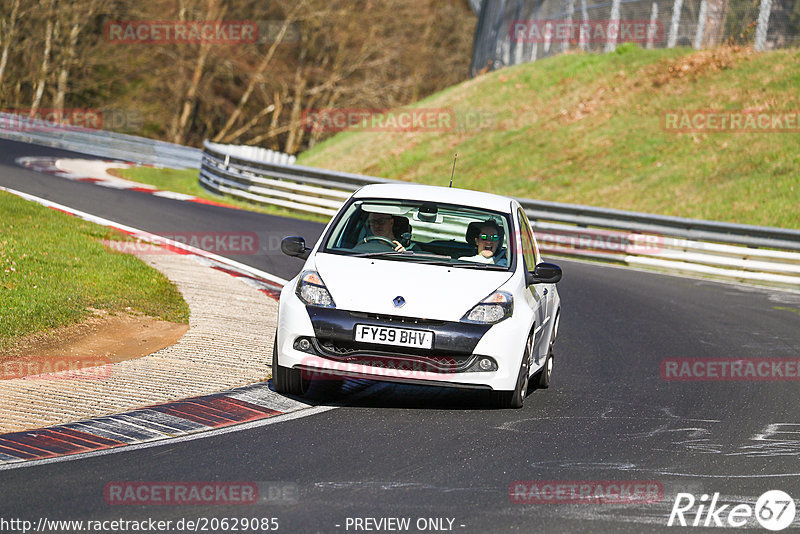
<point x="385" y="335"/>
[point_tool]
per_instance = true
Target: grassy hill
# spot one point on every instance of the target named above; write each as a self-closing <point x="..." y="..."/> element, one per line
<point x="589" y="129"/>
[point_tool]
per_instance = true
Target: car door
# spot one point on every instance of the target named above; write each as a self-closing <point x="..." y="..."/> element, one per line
<point x="536" y="294"/>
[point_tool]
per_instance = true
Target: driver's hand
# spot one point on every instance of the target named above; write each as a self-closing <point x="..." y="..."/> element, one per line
<point x="399" y="247"/>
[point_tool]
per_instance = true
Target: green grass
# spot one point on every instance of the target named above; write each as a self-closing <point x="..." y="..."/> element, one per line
<point x="587" y="129"/>
<point x="185" y="181"/>
<point x="53" y="267"/>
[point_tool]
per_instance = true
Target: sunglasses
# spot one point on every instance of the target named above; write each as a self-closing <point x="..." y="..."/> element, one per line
<point x="487" y="237"/>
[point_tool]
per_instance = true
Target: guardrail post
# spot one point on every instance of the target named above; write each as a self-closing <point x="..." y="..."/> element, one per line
<point x="568" y="21"/>
<point x="673" y="27"/>
<point x="613" y="18"/>
<point x="584" y="17"/>
<point x="763" y="23"/>
<point x="652" y="29"/>
<point x="701" y="25"/>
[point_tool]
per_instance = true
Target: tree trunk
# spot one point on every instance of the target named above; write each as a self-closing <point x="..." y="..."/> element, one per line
<point x="66" y="62"/>
<point x="8" y="38"/>
<point x="191" y="95"/>
<point x="294" y="119"/>
<point x="214" y="12"/>
<point x="257" y="76"/>
<point x="79" y="20"/>
<point x="44" y="70"/>
<point x="715" y="23"/>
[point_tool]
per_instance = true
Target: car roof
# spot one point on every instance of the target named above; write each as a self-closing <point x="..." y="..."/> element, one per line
<point x="433" y="193"/>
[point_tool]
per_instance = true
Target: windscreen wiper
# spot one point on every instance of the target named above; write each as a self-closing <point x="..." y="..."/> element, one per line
<point x="378" y="254"/>
<point x="478" y="265"/>
<point x="407" y="253"/>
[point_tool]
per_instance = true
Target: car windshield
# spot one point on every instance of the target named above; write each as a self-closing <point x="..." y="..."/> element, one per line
<point x="424" y="232"/>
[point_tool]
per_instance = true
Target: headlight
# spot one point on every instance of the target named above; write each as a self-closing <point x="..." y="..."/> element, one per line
<point x="493" y="309"/>
<point x="312" y="290"/>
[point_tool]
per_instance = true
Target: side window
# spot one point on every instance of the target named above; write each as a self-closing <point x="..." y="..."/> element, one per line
<point x="533" y="238"/>
<point x="526" y="238"/>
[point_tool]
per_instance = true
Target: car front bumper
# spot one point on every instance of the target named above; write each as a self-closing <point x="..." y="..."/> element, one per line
<point x="329" y="349"/>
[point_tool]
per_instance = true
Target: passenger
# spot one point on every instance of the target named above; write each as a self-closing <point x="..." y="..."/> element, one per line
<point x="487" y="237"/>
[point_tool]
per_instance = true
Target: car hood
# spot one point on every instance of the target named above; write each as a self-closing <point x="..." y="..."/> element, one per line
<point x="430" y="291"/>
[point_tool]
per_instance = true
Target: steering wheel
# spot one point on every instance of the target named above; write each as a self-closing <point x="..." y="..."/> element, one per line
<point x="380" y="238"/>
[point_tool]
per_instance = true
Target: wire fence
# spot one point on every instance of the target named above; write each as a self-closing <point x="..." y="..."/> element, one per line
<point x="510" y="32"/>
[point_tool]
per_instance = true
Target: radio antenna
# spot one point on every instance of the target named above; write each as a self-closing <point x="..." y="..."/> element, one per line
<point x="454" y="169"/>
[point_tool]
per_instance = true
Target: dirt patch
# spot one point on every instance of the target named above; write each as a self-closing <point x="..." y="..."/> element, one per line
<point x="102" y="338"/>
<point x="697" y="64"/>
<point x="626" y="87"/>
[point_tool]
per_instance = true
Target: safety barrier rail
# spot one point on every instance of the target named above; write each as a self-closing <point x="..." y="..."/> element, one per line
<point x="672" y="244"/>
<point x="101" y="143"/>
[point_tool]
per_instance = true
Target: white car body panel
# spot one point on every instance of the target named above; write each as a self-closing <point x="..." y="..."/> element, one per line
<point x="430" y="291"/>
<point x="446" y="293"/>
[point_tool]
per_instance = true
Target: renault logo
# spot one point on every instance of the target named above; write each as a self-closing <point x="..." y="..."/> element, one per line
<point x="399" y="301"/>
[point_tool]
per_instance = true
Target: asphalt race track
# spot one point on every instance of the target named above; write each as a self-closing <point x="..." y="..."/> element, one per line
<point x="442" y="459"/>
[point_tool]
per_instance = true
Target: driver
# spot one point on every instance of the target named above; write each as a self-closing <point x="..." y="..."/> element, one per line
<point x="381" y="225"/>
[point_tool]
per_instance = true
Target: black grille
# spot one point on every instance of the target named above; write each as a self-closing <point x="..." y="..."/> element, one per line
<point x="410" y="359"/>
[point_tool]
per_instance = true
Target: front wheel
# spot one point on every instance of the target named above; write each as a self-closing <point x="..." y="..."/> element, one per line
<point x="516" y="398"/>
<point x="543" y="380"/>
<point x="285" y="379"/>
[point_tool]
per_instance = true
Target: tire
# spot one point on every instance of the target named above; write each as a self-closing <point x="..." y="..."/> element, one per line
<point x="286" y="380"/>
<point x="543" y="377"/>
<point x="516" y="398"/>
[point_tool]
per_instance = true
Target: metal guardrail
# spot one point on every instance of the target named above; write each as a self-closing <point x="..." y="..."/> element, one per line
<point x="672" y="244"/>
<point x="101" y="143"/>
<point x="255" y="153"/>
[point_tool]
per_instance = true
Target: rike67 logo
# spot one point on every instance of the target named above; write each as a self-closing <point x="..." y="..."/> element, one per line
<point x="774" y="510"/>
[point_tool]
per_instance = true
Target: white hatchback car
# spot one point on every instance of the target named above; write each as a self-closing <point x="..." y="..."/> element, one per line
<point x="424" y="285"/>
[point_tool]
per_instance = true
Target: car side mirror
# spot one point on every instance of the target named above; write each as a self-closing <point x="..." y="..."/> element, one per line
<point x="295" y="246"/>
<point x="544" y="273"/>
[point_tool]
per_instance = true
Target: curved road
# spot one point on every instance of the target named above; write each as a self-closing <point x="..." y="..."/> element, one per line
<point x="440" y="458"/>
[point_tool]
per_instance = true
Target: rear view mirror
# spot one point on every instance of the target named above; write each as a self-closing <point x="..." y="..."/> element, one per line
<point x="428" y="212"/>
<point x="295" y="246"/>
<point x="544" y="273"/>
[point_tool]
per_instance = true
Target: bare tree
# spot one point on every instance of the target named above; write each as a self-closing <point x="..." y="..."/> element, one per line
<point x="214" y="11"/>
<point x="9" y="30"/>
<point x="258" y="75"/>
<point x="348" y="53"/>
<point x="44" y="69"/>
<point x="81" y="14"/>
